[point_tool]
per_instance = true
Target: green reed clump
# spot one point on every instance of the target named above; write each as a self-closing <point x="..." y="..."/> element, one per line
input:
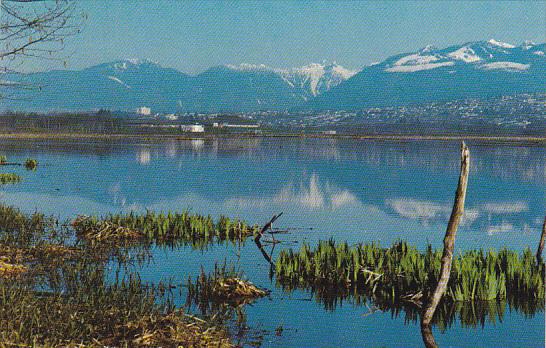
<point x="3" y="159"/>
<point x="9" y="178"/>
<point x="173" y="228"/>
<point x="402" y="273"/>
<point x="31" y="164"/>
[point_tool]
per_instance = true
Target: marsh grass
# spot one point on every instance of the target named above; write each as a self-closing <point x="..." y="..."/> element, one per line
<point x="31" y="164"/>
<point x="117" y="316"/>
<point x="9" y="178"/>
<point x="401" y="273"/>
<point x="53" y="292"/>
<point x="171" y="229"/>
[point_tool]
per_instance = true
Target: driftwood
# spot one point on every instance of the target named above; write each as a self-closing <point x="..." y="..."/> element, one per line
<point x="541" y="243"/>
<point x="259" y="236"/>
<point x="449" y="243"/>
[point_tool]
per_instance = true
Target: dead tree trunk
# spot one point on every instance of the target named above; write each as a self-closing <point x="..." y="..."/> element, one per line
<point x="449" y="243"/>
<point x="541" y="243"/>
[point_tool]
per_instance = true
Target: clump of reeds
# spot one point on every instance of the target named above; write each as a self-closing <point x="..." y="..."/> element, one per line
<point x="3" y="159"/>
<point x="9" y="178"/>
<point x="402" y="273"/>
<point x="31" y="164"/>
<point x="25" y="230"/>
<point x="102" y="232"/>
<point x="222" y="286"/>
<point x="173" y="228"/>
<point x="174" y="328"/>
<point x="234" y="289"/>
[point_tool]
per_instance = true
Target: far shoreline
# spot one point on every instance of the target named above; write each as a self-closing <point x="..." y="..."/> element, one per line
<point x="394" y="137"/>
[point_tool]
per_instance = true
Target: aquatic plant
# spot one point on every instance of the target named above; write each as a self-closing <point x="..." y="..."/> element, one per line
<point x="3" y="159"/>
<point x="9" y="178"/>
<point x="402" y="273"/>
<point x="166" y="229"/>
<point x="31" y="164"/>
<point x="222" y="286"/>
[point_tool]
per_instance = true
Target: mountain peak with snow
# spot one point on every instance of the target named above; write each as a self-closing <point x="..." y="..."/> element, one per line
<point x="249" y="67"/>
<point x="484" y="55"/>
<point x="317" y="78"/>
<point x="132" y="63"/>
<point x="312" y="79"/>
<point x="500" y="44"/>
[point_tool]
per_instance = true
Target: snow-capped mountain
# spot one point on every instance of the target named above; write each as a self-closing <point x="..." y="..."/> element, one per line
<point x="315" y="79"/>
<point x="487" y="55"/>
<point x="474" y="69"/>
<point x="130" y="83"/>
<point x="310" y="80"/>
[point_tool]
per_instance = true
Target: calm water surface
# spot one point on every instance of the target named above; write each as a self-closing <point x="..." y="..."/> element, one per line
<point x="353" y="190"/>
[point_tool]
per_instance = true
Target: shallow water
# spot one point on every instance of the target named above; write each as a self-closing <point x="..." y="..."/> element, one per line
<point x="354" y="190"/>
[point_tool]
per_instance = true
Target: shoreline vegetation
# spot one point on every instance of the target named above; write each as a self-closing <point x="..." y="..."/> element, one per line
<point x="152" y="136"/>
<point x="45" y="263"/>
<point x="57" y="286"/>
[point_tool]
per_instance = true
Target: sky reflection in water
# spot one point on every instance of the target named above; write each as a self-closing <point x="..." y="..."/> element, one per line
<point x="360" y="191"/>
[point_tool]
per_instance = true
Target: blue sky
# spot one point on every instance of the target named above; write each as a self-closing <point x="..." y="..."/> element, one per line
<point x="193" y="36"/>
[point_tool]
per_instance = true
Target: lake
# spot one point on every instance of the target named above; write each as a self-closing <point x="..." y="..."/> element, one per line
<point x="346" y="189"/>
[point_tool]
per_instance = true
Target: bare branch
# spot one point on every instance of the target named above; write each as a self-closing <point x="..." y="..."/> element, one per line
<point x="33" y="29"/>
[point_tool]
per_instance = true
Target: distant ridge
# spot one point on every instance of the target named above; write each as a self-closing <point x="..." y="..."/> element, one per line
<point x="472" y="70"/>
<point x="479" y="69"/>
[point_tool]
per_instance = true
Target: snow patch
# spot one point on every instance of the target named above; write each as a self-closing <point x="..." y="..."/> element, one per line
<point x="500" y="44"/>
<point x="126" y="63"/>
<point x="414" y="68"/>
<point x="528" y="45"/>
<point x="416" y="59"/>
<point x="113" y="78"/>
<point x="316" y="77"/>
<point x="509" y="66"/>
<point x="428" y="48"/>
<point x="466" y="54"/>
<point x="250" y="67"/>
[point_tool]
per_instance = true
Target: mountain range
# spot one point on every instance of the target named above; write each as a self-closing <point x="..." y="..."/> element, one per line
<point x="478" y="69"/>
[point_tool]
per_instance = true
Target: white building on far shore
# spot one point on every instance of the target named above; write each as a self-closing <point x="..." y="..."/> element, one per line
<point x="193" y="128"/>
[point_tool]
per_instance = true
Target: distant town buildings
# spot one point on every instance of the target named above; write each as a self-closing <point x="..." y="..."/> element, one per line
<point x="171" y="117"/>
<point x="143" y="110"/>
<point x="227" y="125"/>
<point x="193" y="128"/>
